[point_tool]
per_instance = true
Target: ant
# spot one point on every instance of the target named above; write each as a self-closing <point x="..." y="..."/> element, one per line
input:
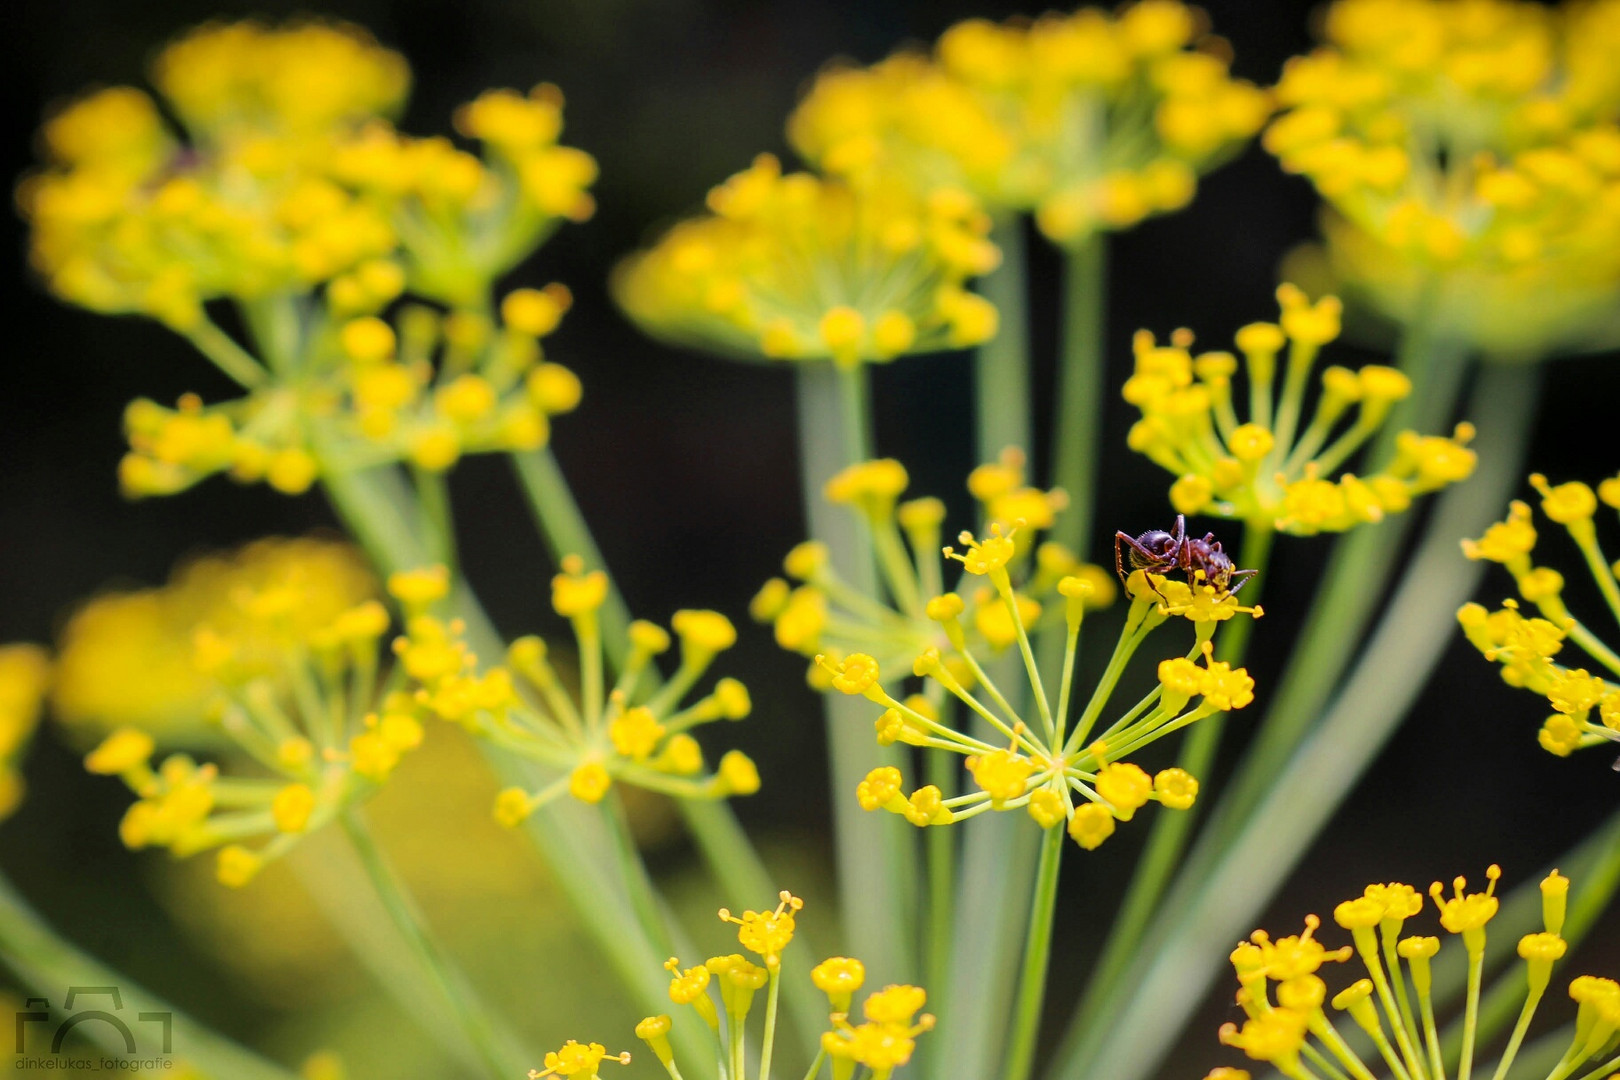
<point x="1156" y="551"/>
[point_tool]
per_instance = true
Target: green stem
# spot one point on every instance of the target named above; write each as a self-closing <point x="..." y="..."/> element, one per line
<point x="1526" y="1014"/>
<point x="876" y="852"/>
<point x="1170" y="830"/>
<point x="769" y="1044"/>
<point x="500" y="1057"/>
<point x="1026" y="1023"/>
<point x="1204" y="914"/>
<point x="940" y="771"/>
<point x="433" y="492"/>
<point x="1001" y="367"/>
<point x="42" y="960"/>
<point x="227" y="355"/>
<point x="1082" y="384"/>
<point x="643" y="894"/>
<point x="1476" y="963"/>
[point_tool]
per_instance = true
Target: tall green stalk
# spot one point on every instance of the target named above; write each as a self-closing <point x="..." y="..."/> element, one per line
<point x="876" y="852"/>
<point x="1082" y="385"/>
<point x="44" y="962"/>
<point x="1001" y="379"/>
<point x="1026" y="1021"/>
<point x="500" y="1056"/>
<point x="1208" y="914"/>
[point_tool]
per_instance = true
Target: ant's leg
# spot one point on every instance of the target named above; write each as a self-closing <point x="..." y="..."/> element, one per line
<point x="1149" y="558"/>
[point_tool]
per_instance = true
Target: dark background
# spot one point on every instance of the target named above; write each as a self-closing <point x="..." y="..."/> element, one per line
<point x="686" y="465"/>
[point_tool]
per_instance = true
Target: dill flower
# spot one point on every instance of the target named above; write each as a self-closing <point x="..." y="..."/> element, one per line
<point x="800" y="267"/>
<point x="1470" y="158"/>
<point x="630" y="732"/>
<point x="1055" y="763"/>
<point x="25" y="675"/>
<point x="1586" y="707"/>
<point x="823" y="615"/>
<point x="1286" y="999"/>
<point x="293" y="681"/>
<point x="1092" y="121"/>
<point x="1275" y="470"/>
<point x="291" y="195"/>
<point x="881" y="1044"/>
<point x="130" y="658"/>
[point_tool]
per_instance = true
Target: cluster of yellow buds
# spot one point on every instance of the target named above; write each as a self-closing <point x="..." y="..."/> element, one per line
<point x="826" y="616"/>
<point x="1274" y="470"/>
<point x="1471" y="160"/>
<point x="1587" y="709"/>
<point x="1090" y="120"/>
<point x="294" y="197"/>
<point x="291" y="680"/>
<point x="438" y="386"/>
<point x="798" y="267"/>
<point x="1394" y="1006"/>
<point x="1057" y="773"/>
<point x="637" y="732"/>
<point x="883" y="1043"/>
<point x="25" y="675"/>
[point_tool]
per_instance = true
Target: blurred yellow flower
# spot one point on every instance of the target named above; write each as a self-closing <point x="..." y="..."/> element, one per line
<point x="25" y="675"/>
<point x="1090" y="120"/>
<point x="292" y="195"/>
<point x="1470" y="157"/>
<point x="797" y="267"/>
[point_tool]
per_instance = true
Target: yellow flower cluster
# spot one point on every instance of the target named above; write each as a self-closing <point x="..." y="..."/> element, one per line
<point x="1393" y="1005"/>
<point x="289" y="177"/>
<point x="130" y="658"/>
<point x="634" y="732"/>
<point x="1056" y="773"/>
<point x="882" y="1044"/>
<point x="292" y="195"/>
<point x="1471" y="158"/>
<point x="289" y="674"/>
<point x="25" y="675"/>
<point x="426" y="391"/>
<point x="826" y="616"/>
<point x="1275" y="470"/>
<point x="1090" y="120"/>
<point x="1587" y="709"/>
<point x="798" y="267"/>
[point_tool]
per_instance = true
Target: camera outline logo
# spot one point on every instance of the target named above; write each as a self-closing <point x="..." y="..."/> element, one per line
<point x="37" y="1011"/>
